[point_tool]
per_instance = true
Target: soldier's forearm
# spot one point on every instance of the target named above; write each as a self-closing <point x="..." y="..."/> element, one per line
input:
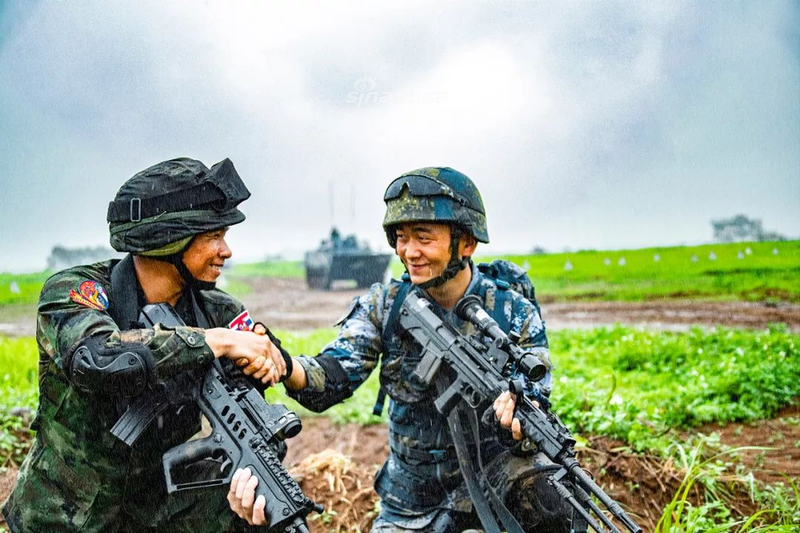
<point x="297" y="380"/>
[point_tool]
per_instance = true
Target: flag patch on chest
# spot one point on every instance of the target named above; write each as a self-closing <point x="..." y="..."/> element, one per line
<point x="243" y="322"/>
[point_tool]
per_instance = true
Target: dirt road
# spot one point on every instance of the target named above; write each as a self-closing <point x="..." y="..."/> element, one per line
<point x="287" y="304"/>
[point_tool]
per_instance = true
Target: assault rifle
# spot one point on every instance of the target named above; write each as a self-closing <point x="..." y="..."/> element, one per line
<point x="482" y="371"/>
<point x="246" y="432"/>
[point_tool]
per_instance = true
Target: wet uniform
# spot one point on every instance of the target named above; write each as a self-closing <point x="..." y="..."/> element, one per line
<point x="420" y="484"/>
<point x="78" y="476"/>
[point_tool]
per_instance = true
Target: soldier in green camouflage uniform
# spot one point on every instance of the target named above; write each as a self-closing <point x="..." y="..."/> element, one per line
<point x="172" y="218"/>
<point x="434" y="219"/>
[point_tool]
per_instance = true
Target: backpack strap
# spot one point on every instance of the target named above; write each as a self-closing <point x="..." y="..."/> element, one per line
<point x="386" y="334"/>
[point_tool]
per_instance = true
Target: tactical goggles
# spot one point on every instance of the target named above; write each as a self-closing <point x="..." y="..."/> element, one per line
<point x="424" y="186"/>
<point x="221" y="189"/>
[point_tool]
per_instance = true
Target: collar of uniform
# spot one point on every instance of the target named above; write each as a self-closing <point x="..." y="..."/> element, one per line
<point x="477" y="276"/>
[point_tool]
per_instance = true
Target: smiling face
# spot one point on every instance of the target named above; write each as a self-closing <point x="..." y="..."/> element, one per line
<point x="424" y="249"/>
<point x="206" y="255"/>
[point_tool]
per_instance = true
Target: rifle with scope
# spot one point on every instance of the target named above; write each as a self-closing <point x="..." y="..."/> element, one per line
<point x="482" y="370"/>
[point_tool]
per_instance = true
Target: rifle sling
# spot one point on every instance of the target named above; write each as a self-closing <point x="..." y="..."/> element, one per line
<point x="477" y="484"/>
<point x="386" y="335"/>
<point x="143" y="409"/>
<point x="124" y="304"/>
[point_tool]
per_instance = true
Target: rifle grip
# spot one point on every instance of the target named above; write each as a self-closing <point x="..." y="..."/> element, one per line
<point x="427" y="367"/>
<point x="190" y="452"/>
<point x="449" y="398"/>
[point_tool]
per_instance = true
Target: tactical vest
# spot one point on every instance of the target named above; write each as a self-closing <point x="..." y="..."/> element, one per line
<point x="400" y="358"/>
<point x="423" y="466"/>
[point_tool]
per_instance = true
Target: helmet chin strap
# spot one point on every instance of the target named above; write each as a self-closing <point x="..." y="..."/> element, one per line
<point x="176" y="260"/>
<point x="454" y="266"/>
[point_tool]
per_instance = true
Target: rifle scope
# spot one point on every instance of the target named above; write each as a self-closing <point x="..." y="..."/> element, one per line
<point x="470" y="310"/>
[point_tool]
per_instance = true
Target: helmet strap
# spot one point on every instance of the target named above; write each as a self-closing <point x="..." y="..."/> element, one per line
<point x="176" y="260"/>
<point x="454" y="266"/>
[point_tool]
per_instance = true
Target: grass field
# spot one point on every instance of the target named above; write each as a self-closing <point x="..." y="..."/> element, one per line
<point x="742" y="271"/>
<point x="21" y="288"/>
<point x="272" y="269"/>
<point x="756" y="271"/>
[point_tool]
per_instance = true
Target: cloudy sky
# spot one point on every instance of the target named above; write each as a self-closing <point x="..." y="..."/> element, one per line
<point x="585" y="124"/>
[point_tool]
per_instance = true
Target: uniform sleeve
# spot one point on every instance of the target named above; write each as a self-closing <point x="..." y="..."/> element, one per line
<point x="65" y="324"/>
<point x="344" y="364"/>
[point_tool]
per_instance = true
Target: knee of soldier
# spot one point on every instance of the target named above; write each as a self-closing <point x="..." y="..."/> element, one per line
<point x="536" y="504"/>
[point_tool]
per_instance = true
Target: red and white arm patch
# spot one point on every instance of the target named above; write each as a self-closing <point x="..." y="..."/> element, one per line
<point x="243" y="322"/>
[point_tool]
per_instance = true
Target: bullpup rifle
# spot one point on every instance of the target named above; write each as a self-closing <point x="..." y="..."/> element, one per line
<point x="246" y="432"/>
<point x="482" y="370"/>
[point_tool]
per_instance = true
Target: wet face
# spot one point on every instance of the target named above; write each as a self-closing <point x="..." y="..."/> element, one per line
<point x="424" y="249"/>
<point x="206" y="255"/>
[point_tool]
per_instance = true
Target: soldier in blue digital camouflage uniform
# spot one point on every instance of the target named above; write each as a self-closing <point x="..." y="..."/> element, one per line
<point x="94" y="356"/>
<point x="434" y="220"/>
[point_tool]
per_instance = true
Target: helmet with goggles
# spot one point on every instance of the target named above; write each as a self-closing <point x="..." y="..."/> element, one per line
<point x="442" y="195"/>
<point x="159" y="210"/>
<point x="435" y="194"/>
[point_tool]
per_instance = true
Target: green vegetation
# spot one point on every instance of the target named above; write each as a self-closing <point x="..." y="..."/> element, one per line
<point x="18" y="390"/>
<point x="646" y="388"/>
<point x="708" y="272"/>
<point x="635" y="385"/>
<point x="21" y="288"/>
<point x="779" y="506"/>
<point x="759" y="275"/>
<point x="269" y="269"/>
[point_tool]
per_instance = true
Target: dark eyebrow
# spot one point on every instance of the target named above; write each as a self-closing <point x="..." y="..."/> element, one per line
<point x="426" y="229"/>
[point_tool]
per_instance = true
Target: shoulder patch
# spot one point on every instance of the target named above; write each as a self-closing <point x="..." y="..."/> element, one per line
<point x="243" y="322"/>
<point x="90" y="294"/>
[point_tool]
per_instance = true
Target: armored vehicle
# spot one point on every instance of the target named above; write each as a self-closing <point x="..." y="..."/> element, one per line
<point x="340" y="258"/>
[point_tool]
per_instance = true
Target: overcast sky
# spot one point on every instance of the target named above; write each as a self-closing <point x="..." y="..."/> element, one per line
<point x="584" y="124"/>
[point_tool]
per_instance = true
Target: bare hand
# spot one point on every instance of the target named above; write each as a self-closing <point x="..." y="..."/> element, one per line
<point x="261" y="369"/>
<point x="241" y="498"/>
<point x="254" y="353"/>
<point x="504" y="407"/>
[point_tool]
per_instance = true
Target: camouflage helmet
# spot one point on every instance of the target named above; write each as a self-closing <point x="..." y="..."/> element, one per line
<point x="438" y="194"/>
<point x="159" y="210"/>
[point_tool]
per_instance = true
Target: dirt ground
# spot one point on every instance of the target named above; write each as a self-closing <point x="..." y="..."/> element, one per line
<point x="287" y="304"/>
<point x="336" y="464"/>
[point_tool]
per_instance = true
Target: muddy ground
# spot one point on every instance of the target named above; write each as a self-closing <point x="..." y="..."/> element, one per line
<point x="335" y="464"/>
<point x="287" y="304"/>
